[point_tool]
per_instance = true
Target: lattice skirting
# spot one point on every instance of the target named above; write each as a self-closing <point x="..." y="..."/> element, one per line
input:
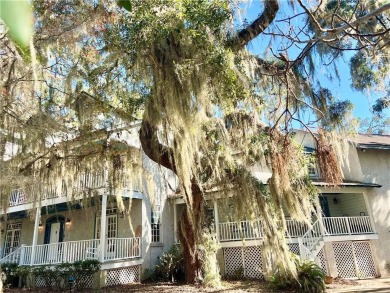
<point x="354" y="259"/>
<point x="243" y="262"/>
<point x="321" y="260"/>
<point x="123" y="276"/>
<point x="294" y="248"/>
<point x="41" y="282"/>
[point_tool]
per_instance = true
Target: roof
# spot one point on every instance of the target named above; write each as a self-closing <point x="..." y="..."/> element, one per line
<point x="372" y="141"/>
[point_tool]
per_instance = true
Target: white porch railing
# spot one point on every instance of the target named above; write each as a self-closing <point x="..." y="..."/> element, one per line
<point x="347" y="225"/>
<point x="231" y="231"/>
<point x="71" y="251"/>
<point x="122" y="248"/>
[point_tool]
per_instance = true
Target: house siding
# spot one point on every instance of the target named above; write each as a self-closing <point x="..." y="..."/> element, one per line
<point x="376" y="169"/>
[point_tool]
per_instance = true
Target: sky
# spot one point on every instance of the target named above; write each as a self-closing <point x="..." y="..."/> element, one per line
<point x="341" y="89"/>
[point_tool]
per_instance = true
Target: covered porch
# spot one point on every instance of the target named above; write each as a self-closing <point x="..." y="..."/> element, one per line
<point x="342" y="214"/>
<point x="93" y="229"/>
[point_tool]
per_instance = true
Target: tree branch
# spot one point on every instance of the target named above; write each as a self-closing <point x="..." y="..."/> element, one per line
<point x="259" y="25"/>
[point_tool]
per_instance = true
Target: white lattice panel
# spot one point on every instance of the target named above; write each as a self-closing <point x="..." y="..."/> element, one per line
<point x="364" y="261"/>
<point x="123" y="276"/>
<point x="88" y="282"/>
<point x="294" y="248"/>
<point x="40" y="282"/>
<point x="233" y="260"/>
<point x="245" y="260"/>
<point x="253" y="262"/>
<point x="322" y="261"/>
<point x="345" y="262"/>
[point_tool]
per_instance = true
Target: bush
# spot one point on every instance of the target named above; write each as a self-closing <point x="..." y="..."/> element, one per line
<point x="24" y="273"/>
<point x="58" y="277"/>
<point x="10" y="272"/>
<point x="310" y="278"/>
<point x="171" y="265"/>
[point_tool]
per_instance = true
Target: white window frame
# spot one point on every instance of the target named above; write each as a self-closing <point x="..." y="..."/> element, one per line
<point x="156" y="228"/>
<point x="13" y="228"/>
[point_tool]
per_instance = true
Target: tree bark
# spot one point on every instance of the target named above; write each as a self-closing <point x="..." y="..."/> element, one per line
<point x="189" y="234"/>
<point x="191" y="221"/>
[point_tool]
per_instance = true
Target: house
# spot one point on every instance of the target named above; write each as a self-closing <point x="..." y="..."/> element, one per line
<point x="349" y="237"/>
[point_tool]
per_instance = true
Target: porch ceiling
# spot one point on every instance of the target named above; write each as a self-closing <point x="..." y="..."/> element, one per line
<point x="348" y="183"/>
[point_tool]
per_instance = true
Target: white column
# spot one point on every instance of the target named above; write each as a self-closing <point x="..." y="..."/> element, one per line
<point x="319" y="216"/>
<point x="216" y="220"/>
<point x="175" y="222"/>
<point x="103" y="214"/>
<point x="103" y="219"/>
<point x="369" y="210"/>
<point x="35" y="236"/>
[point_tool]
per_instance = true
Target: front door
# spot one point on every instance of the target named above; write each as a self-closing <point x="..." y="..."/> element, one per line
<point x="53" y="251"/>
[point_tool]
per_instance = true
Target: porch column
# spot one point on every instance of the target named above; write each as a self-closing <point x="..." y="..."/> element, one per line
<point x="103" y="214"/>
<point x="369" y="211"/>
<point x="175" y="223"/>
<point x="35" y="236"/>
<point x="216" y="220"/>
<point x="103" y="227"/>
<point x="319" y="216"/>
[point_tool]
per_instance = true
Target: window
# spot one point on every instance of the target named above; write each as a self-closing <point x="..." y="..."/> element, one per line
<point x="312" y="164"/>
<point x="12" y="238"/>
<point x="156" y="224"/>
<point x="312" y="169"/>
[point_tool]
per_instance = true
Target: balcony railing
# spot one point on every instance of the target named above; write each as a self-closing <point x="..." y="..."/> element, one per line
<point x="71" y="251"/>
<point x="347" y="225"/>
<point x="85" y="181"/>
<point x="232" y="231"/>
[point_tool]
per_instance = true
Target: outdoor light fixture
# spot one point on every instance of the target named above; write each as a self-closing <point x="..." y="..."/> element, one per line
<point x="40" y="226"/>
<point x="68" y="221"/>
<point x="335" y="200"/>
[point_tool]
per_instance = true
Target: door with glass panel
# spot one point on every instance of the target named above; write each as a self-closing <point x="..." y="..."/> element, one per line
<point x="111" y="234"/>
<point x="12" y="238"/>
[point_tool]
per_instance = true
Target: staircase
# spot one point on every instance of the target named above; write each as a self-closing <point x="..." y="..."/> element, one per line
<point x="311" y="242"/>
<point x="13" y="257"/>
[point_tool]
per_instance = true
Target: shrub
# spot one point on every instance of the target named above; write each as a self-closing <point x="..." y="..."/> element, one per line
<point x="10" y="272"/>
<point x="24" y="273"/>
<point x="83" y="270"/>
<point x="310" y="278"/>
<point x="58" y="277"/>
<point x="171" y="265"/>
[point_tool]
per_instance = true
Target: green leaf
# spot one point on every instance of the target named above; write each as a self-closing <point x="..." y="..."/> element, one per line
<point x="126" y="4"/>
<point x="18" y="17"/>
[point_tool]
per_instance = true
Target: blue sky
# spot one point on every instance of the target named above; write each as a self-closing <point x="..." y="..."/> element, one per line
<point x="341" y="89"/>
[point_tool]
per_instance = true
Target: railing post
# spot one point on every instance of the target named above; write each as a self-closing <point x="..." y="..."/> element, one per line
<point x="21" y="255"/>
<point x="301" y="250"/>
<point x="216" y="220"/>
<point x="348" y="227"/>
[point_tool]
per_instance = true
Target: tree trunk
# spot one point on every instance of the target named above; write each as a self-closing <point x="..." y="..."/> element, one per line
<point x="189" y="234"/>
<point x="191" y="221"/>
